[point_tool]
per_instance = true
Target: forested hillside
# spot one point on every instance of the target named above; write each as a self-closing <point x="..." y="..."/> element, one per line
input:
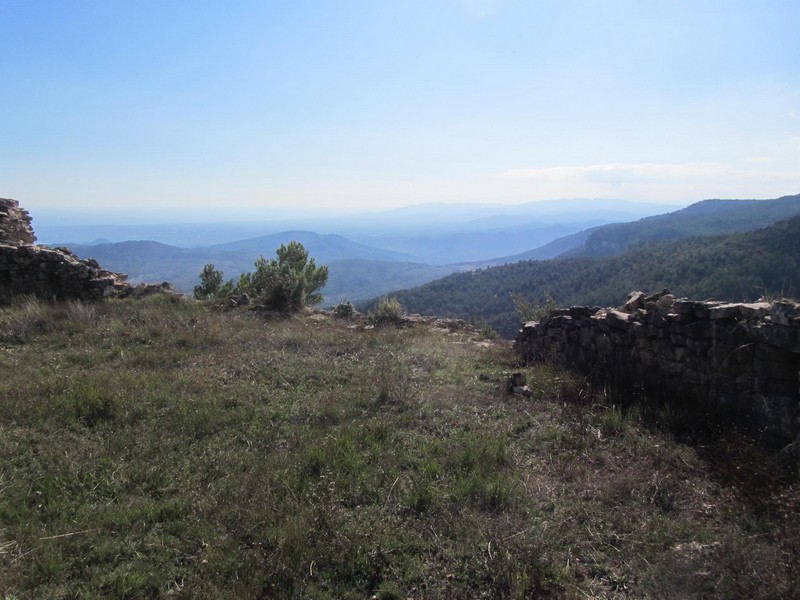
<point x="357" y="279"/>
<point x="741" y="266"/>
<point x="709" y="217"/>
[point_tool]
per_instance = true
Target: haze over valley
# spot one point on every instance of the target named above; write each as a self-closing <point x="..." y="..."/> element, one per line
<point x="383" y="252"/>
<point x="369" y="254"/>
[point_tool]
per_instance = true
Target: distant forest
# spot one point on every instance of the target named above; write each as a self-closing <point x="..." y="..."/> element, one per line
<point x="735" y="267"/>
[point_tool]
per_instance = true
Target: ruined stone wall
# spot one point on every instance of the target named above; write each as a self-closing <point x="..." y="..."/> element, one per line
<point x="742" y="360"/>
<point x="15" y="224"/>
<point x="54" y="273"/>
<point x="27" y="269"/>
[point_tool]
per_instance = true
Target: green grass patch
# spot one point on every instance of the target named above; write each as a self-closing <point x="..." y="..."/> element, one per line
<point x="157" y="448"/>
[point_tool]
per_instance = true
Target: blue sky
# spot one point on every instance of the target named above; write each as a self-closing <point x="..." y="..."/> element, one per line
<point x="199" y="110"/>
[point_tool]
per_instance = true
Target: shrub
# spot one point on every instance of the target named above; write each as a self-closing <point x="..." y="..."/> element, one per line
<point x="344" y="309"/>
<point x="210" y="283"/>
<point x="616" y="420"/>
<point x="288" y="283"/>
<point x="388" y="312"/>
<point x="531" y="311"/>
<point x="285" y="284"/>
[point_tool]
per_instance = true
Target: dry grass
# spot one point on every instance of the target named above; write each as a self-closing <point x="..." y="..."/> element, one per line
<point x="152" y="449"/>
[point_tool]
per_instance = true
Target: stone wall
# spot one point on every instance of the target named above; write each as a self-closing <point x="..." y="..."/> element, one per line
<point x="28" y="269"/>
<point x="15" y="224"/>
<point x="54" y="273"/>
<point x="742" y="360"/>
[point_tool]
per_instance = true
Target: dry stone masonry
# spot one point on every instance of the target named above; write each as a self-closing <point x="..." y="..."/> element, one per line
<point x="29" y="269"/>
<point x="742" y="360"/>
<point x="15" y="224"/>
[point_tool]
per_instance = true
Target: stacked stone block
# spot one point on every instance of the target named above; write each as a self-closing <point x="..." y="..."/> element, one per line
<point x="54" y="273"/>
<point x="28" y="269"/>
<point x="742" y="360"/>
<point x="15" y="224"/>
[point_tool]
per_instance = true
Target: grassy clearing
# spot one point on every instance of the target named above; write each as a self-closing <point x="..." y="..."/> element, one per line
<point x="154" y="448"/>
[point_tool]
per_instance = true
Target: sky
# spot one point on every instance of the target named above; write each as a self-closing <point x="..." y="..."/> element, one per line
<point x="200" y="110"/>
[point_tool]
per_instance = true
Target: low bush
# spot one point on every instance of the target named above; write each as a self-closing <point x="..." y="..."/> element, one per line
<point x="344" y="309"/>
<point x="388" y="312"/>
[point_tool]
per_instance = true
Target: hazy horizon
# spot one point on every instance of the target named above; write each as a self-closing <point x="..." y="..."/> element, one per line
<point x="419" y="219"/>
<point x="193" y="110"/>
<point x="79" y="217"/>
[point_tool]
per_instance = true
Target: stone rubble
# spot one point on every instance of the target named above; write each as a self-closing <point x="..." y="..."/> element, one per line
<point x="517" y="384"/>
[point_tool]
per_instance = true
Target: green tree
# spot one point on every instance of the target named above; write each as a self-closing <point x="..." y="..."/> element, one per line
<point x="287" y="283"/>
<point x="210" y="283"/>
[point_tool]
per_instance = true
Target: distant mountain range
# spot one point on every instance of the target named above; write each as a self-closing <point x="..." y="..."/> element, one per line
<point x="420" y="220"/>
<point x="324" y="247"/>
<point x="383" y="252"/>
<point x="480" y="244"/>
<point x="380" y="252"/>
<point x="154" y="261"/>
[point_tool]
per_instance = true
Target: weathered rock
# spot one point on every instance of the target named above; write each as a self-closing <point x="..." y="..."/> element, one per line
<point x="784" y="312"/>
<point x="240" y="300"/>
<point x="617" y="318"/>
<point x="755" y="310"/>
<point x="148" y="289"/>
<point x="522" y="390"/>
<point x="517" y="380"/>
<point x="665" y="302"/>
<point x="635" y="300"/>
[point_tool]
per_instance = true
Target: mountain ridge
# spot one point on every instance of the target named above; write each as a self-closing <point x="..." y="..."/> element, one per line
<point x="707" y="217"/>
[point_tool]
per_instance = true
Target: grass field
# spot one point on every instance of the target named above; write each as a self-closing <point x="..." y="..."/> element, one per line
<point x="159" y="448"/>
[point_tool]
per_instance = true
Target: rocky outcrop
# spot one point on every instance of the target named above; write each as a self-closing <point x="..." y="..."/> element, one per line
<point x="28" y="269"/>
<point x="742" y="360"/>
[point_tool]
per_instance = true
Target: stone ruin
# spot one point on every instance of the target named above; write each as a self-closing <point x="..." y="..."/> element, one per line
<point x="741" y="360"/>
<point x="30" y="269"/>
<point x="15" y="224"/>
